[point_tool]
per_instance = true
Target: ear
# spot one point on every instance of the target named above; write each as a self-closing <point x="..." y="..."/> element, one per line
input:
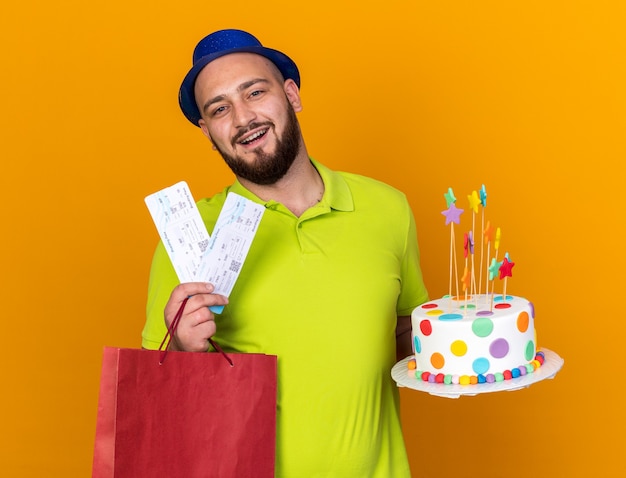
<point x="205" y="131"/>
<point x="204" y="128"/>
<point x="293" y="95"/>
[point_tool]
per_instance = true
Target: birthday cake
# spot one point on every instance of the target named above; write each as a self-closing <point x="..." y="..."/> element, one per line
<point x="473" y="337"/>
<point x="478" y="339"/>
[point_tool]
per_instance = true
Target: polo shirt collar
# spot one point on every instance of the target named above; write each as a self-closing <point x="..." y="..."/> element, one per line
<point x="337" y="193"/>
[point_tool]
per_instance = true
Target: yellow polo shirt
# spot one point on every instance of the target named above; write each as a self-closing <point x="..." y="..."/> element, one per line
<point x="322" y="292"/>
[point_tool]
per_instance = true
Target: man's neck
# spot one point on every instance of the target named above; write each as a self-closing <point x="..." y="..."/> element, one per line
<point x="301" y="188"/>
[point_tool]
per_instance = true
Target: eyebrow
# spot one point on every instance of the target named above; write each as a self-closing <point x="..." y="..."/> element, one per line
<point x="243" y="86"/>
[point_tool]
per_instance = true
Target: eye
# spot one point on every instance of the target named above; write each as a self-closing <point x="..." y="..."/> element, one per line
<point x="219" y="110"/>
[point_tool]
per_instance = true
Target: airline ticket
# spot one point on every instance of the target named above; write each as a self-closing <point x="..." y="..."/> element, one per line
<point x="197" y="256"/>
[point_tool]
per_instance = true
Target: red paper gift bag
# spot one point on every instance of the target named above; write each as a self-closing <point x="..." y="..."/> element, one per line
<point x="191" y="416"/>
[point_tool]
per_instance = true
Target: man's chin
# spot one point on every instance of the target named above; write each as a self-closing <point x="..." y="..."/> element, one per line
<point x="251" y="156"/>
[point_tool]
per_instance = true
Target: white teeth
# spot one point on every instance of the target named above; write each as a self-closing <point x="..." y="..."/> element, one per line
<point x="254" y="136"/>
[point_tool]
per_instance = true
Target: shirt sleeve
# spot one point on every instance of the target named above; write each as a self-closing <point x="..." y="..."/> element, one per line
<point x="163" y="279"/>
<point x="413" y="292"/>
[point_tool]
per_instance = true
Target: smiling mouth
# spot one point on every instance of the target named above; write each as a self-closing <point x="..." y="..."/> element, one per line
<point x="254" y="137"/>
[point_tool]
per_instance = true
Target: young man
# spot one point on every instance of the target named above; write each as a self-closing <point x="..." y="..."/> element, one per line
<point x="329" y="282"/>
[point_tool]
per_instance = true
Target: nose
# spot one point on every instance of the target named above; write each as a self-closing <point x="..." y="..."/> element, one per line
<point x="243" y="115"/>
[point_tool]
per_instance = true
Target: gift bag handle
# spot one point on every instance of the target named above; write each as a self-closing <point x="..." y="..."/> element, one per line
<point x="170" y="333"/>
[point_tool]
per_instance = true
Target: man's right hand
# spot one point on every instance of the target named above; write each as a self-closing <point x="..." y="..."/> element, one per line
<point x="197" y="323"/>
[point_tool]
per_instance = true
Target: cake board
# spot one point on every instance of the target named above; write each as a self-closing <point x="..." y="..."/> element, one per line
<point x="406" y="378"/>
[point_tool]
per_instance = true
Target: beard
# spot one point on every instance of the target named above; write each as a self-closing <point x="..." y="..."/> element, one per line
<point x="268" y="168"/>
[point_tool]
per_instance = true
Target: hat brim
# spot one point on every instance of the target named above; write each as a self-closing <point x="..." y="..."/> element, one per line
<point x="187" y="97"/>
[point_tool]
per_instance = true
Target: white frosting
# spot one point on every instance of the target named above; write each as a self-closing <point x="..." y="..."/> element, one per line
<point x="483" y="334"/>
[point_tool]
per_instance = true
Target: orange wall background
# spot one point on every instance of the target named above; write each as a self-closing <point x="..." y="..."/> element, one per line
<point x="524" y="97"/>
